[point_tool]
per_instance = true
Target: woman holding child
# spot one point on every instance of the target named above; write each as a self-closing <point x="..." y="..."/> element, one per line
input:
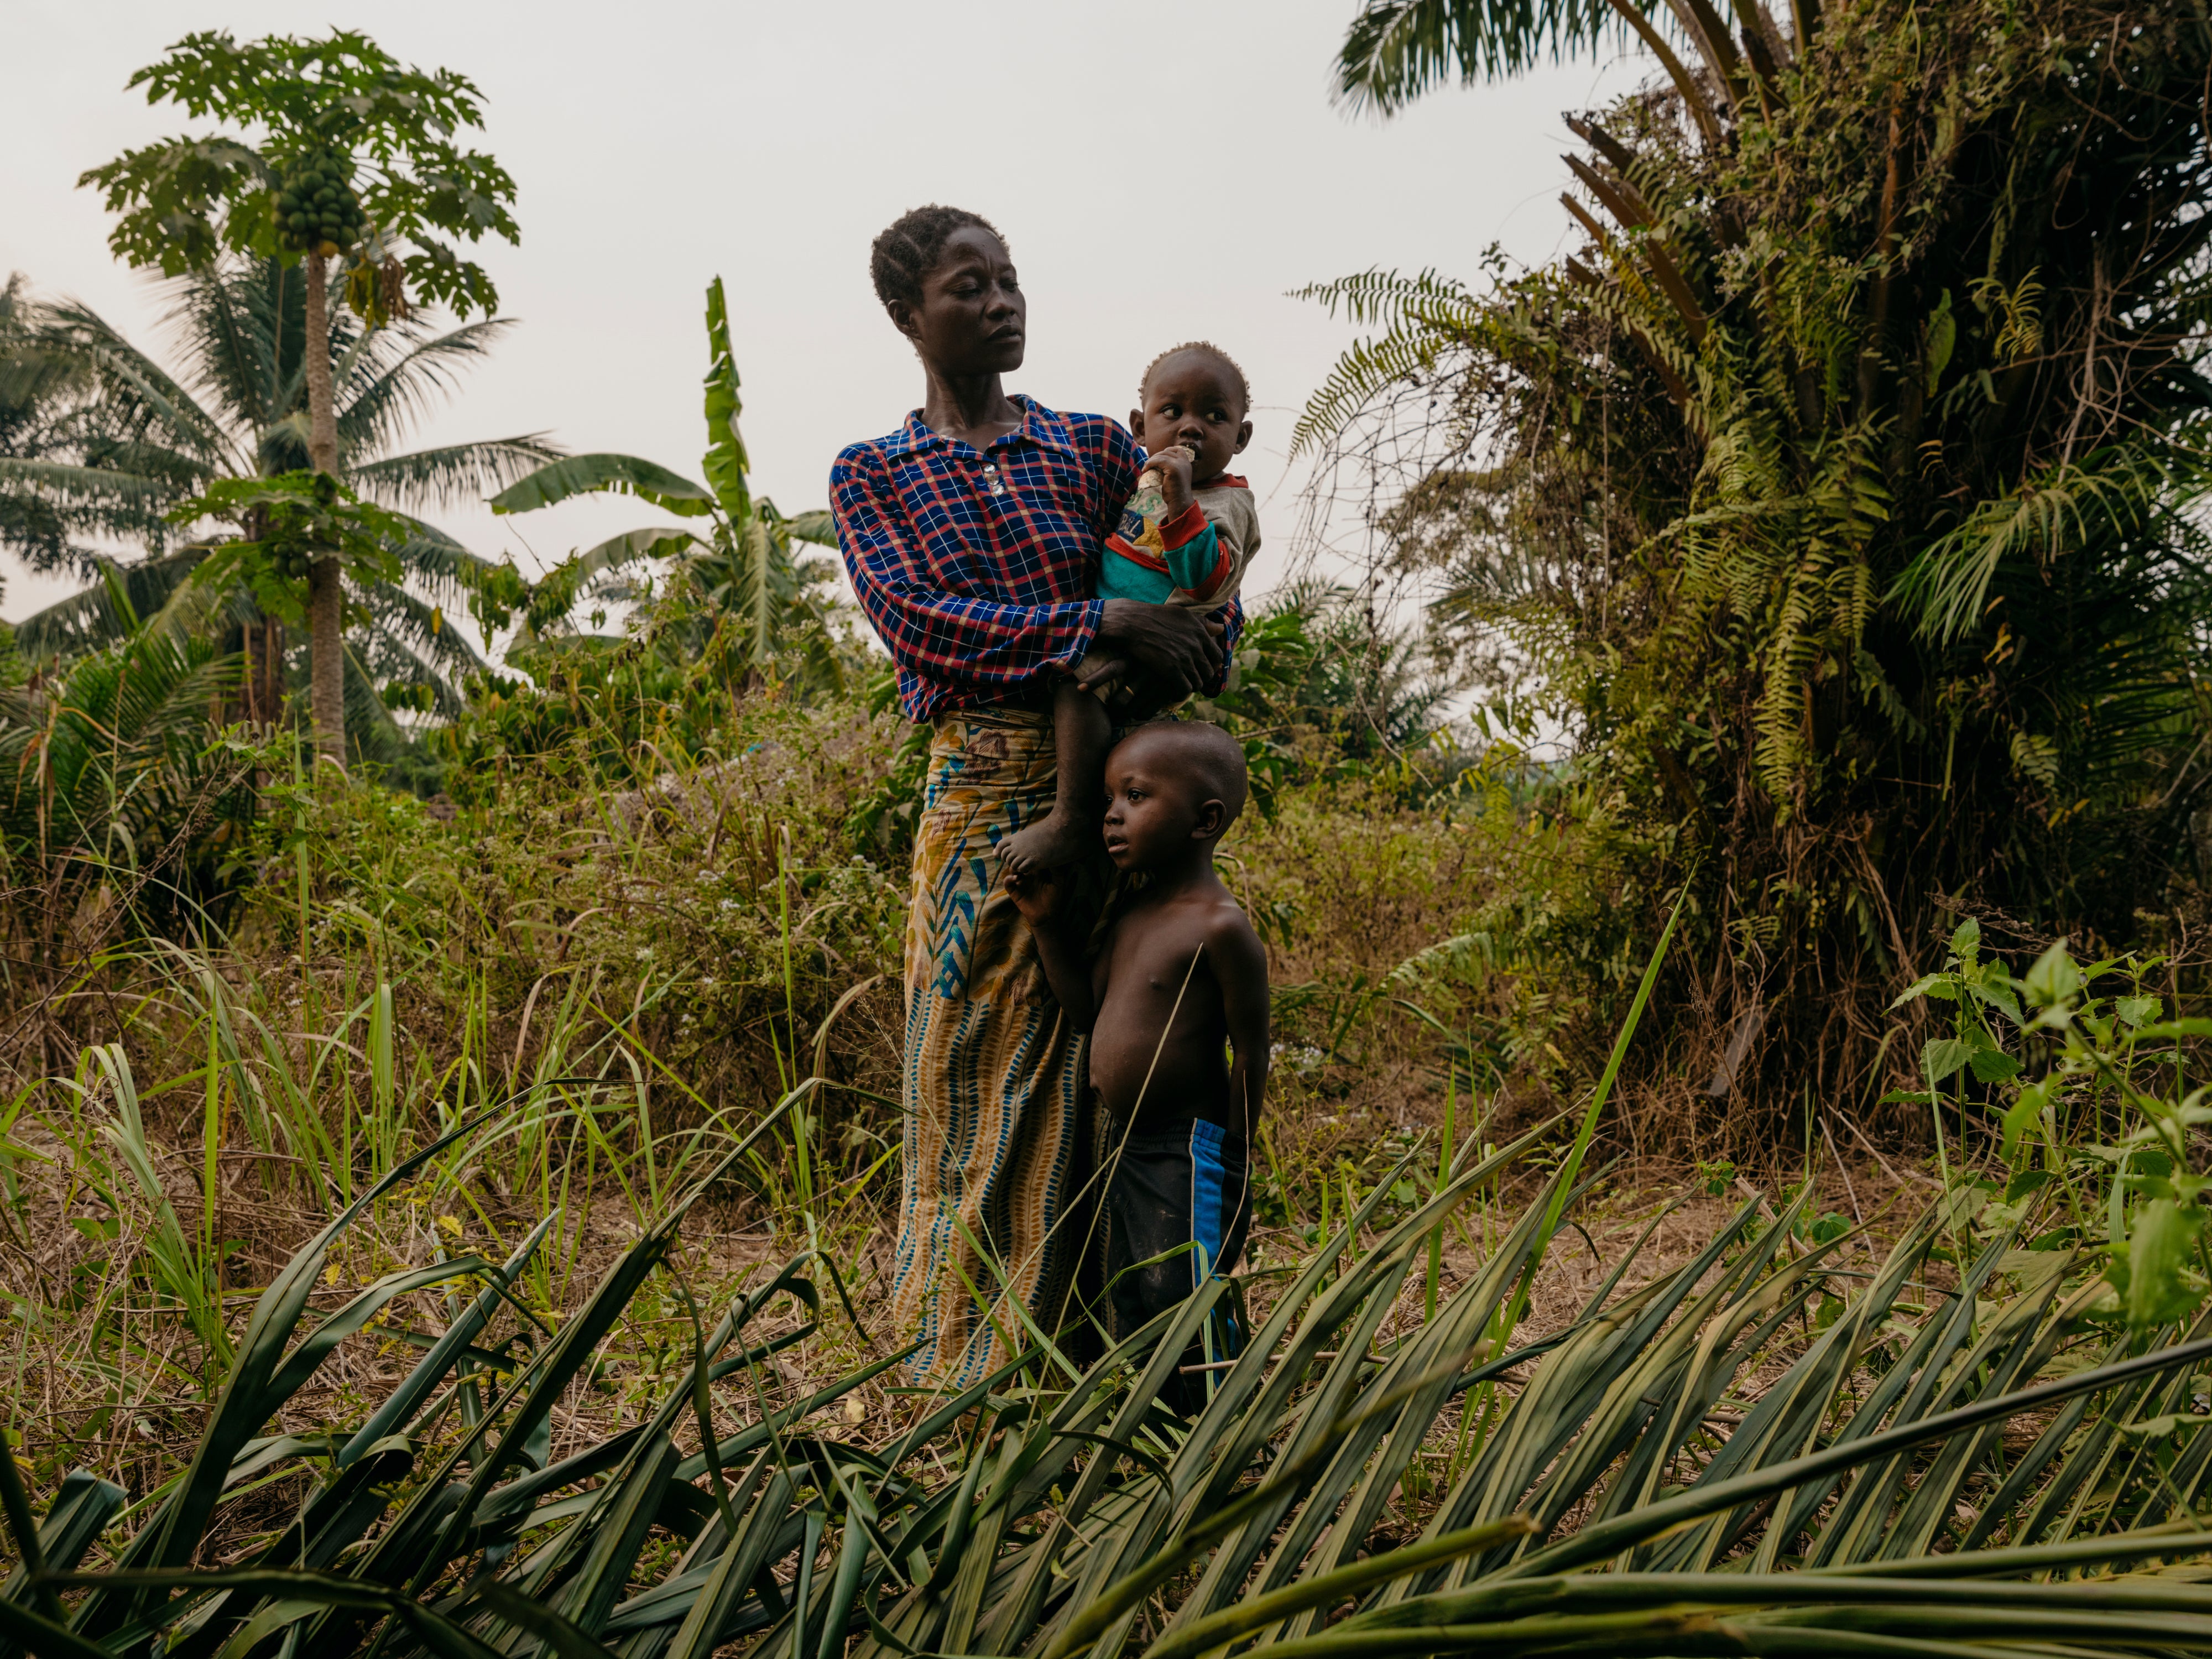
<point x="973" y="537"/>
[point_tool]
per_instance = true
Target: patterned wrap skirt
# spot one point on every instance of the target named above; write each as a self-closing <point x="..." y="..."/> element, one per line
<point x="993" y="1080"/>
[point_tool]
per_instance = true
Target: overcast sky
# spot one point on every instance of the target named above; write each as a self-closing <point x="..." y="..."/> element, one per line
<point x="657" y="145"/>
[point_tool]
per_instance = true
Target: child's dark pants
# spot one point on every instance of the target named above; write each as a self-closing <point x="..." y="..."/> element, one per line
<point x="1184" y="1195"/>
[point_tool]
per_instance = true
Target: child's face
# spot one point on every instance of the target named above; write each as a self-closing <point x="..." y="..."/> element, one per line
<point x="1193" y="399"/>
<point x="1157" y="804"/>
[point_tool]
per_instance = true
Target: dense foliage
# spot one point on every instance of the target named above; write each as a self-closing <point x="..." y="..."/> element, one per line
<point x="203" y="456"/>
<point x="451" y="1226"/>
<point x="1778" y="1443"/>
<point x="1835" y="496"/>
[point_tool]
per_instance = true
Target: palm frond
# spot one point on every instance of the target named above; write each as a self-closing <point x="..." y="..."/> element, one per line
<point x="100" y="498"/>
<point x="120" y="602"/>
<point x="402" y="379"/>
<point x="140" y="398"/>
<point x="1853" y="1494"/>
<point x="1396" y="50"/>
<point x="245" y="327"/>
<point x="2108" y="494"/>
<point x="405" y="644"/>
<point x="423" y="478"/>
<point x="106" y="761"/>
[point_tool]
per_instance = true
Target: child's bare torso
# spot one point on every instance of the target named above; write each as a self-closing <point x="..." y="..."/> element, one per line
<point x="1152" y="968"/>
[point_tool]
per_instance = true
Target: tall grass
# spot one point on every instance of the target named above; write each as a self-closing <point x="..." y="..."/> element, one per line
<point x="495" y="1274"/>
<point x="1791" y="1441"/>
<point x="1760" y="1450"/>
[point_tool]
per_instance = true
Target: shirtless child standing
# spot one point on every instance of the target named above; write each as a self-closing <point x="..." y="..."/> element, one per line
<point x="1183" y="1113"/>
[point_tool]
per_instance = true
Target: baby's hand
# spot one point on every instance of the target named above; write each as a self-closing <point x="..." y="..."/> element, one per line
<point x="1172" y="465"/>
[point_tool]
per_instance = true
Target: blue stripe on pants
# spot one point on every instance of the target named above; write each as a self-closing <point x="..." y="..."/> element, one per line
<point x="1207" y="1180"/>
<point x="1208" y="1226"/>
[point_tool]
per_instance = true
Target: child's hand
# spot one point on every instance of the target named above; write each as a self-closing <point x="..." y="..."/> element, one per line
<point x="1102" y="669"/>
<point x="1173" y="466"/>
<point x="1037" y="896"/>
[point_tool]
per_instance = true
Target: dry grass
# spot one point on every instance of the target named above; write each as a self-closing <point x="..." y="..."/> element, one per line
<point x="688" y="944"/>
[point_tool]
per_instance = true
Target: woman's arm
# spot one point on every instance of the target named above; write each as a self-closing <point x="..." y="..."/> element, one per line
<point x="941" y="635"/>
<point x="1177" y="651"/>
<point x="954" y="637"/>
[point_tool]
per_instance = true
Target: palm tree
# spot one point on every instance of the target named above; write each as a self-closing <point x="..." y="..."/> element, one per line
<point x="51" y="510"/>
<point x="141" y="439"/>
<point x="1840" y="485"/>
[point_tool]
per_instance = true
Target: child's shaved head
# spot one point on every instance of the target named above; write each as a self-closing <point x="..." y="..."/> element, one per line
<point x="1198" y="348"/>
<point x="1209" y="756"/>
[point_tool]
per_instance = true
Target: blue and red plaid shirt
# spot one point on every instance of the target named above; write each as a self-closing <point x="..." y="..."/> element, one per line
<point x="977" y="568"/>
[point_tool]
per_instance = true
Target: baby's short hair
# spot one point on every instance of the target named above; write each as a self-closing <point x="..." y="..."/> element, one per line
<point x="1216" y="757"/>
<point x="1210" y="350"/>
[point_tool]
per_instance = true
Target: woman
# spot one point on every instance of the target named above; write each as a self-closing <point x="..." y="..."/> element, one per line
<point x="972" y="536"/>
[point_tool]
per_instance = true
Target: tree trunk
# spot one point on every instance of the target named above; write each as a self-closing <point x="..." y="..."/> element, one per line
<point x="325" y="584"/>
<point x="272" y="668"/>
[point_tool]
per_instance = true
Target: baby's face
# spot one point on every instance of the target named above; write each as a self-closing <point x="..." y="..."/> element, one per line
<point x="1193" y="399"/>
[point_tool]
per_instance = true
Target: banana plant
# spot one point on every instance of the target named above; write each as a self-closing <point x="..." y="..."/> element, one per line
<point x="733" y="558"/>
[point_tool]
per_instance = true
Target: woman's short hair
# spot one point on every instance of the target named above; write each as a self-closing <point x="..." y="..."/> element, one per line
<point x="905" y="253"/>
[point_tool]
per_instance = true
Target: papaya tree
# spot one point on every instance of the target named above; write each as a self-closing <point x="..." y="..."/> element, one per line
<point x="320" y="152"/>
<point x="731" y="558"/>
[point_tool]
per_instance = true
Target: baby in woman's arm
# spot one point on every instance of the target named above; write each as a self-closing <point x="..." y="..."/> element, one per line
<point x="1186" y="538"/>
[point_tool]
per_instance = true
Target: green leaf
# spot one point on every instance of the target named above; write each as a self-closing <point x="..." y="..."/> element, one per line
<point x="2027" y="1182"/>
<point x="2054" y="978"/>
<point x="2024" y="1113"/>
<point x="591" y="475"/>
<point x="2158" y="1428"/>
<point x="2136" y="1011"/>
<point x="1943" y="986"/>
<point x="2159" y="1253"/>
<point x="1827" y="1229"/>
<point x="1992" y="988"/>
<point x="1940" y="1056"/>
<point x="1992" y="1065"/>
<point x="2164" y="1030"/>
<point x="725" y="463"/>
<point x="1966" y="940"/>
<point x="1942" y="336"/>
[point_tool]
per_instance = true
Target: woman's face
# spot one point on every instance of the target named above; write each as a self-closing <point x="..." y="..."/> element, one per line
<point x="973" y="318"/>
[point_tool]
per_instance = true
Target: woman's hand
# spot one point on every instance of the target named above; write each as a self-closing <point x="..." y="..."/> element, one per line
<point x="1178" y="651"/>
